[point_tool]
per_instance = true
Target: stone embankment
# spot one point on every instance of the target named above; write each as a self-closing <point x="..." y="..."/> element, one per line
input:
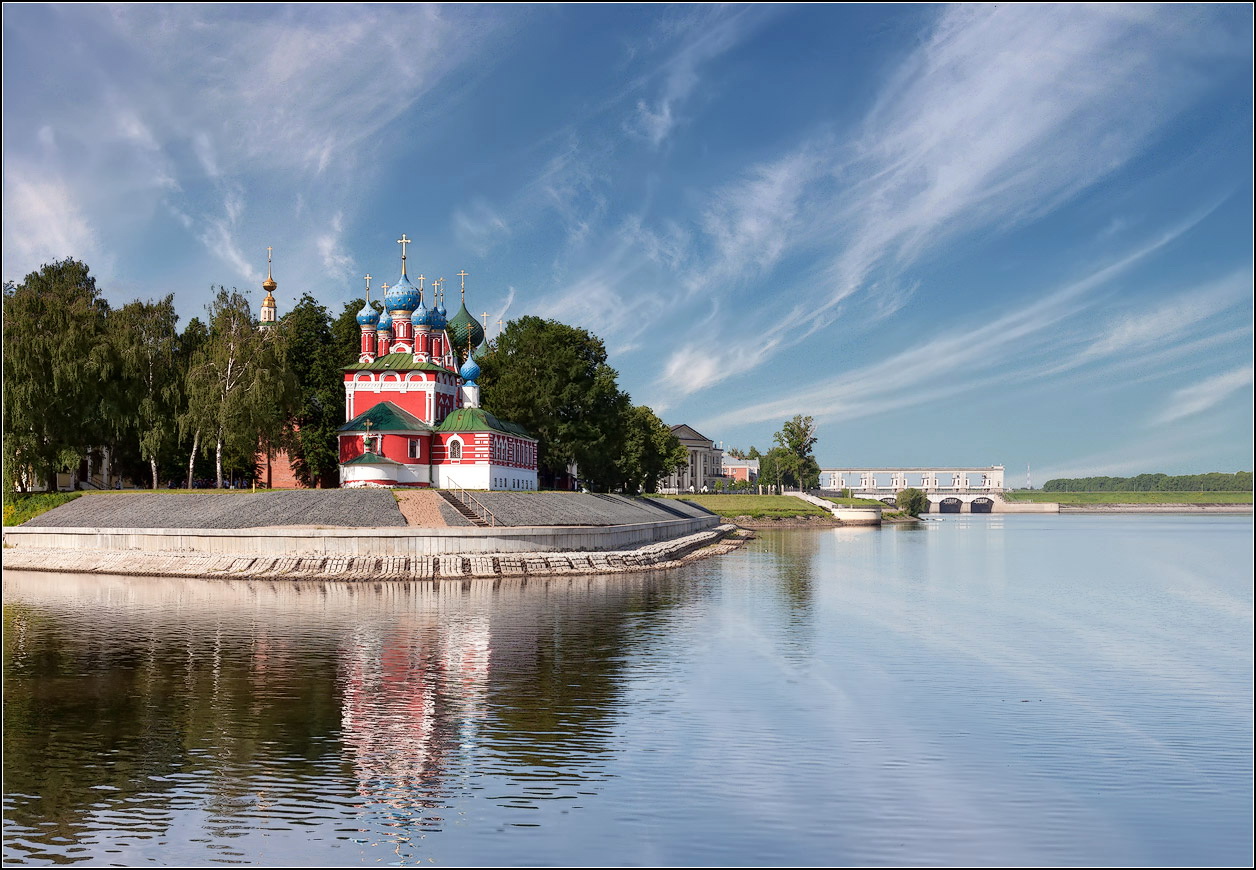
<point x="437" y="568"/>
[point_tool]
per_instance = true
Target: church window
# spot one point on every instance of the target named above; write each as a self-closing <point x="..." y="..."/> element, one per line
<point x="415" y="449"/>
<point x="455" y="450"/>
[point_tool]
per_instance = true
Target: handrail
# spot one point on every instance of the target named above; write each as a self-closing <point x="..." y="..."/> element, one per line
<point x="484" y="513"/>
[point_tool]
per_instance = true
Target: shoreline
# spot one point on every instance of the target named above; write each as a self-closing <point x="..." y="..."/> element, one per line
<point x="357" y="568"/>
<point x="1154" y="508"/>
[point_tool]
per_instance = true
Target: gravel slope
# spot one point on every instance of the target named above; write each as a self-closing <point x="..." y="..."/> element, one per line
<point x="581" y="509"/>
<point x="216" y="510"/>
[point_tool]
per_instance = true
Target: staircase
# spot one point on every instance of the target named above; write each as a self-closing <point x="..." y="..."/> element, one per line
<point x="466" y="504"/>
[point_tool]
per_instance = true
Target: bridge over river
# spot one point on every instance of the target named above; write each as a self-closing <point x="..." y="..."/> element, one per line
<point x="951" y="489"/>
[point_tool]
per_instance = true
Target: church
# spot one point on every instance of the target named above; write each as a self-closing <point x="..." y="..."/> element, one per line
<point x="412" y="411"/>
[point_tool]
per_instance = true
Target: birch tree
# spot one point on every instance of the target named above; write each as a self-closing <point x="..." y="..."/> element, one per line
<point x="145" y="343"/>
<point x="237" y="386"/>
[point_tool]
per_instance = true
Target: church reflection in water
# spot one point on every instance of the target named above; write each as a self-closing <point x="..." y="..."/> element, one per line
<point x="238" y="700"/>
<point x="411" y="697"/>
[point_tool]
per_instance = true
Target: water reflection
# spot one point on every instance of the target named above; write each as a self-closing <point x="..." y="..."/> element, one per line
<point x="260" y="704"/>
<point x="973" y="691"/>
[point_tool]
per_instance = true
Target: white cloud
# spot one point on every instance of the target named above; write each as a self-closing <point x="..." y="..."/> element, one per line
<point x="705" y="34"/>
<point x="1204" y="395"/>
<point x="1173" y="318"/>
<point x="966" y="357"/>
<point x="479" y="226"/>
<point x="44" y="221"/>
<point x="278" y="98"/>
<point x="1002" y="115"/>
<point x="334" y="258"/>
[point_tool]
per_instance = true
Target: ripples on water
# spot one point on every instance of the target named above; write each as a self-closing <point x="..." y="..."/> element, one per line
<point x="986" y="690"/>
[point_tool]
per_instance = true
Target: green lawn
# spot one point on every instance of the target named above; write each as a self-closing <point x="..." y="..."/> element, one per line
<point x="757" y="506"/>
<point x="1132" y="497"/>
<point x="855" y="501"/>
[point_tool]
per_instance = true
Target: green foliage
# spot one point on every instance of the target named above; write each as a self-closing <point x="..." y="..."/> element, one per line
<point x="1213" y="481"/>
<point x="553" y="380"/>
<point x="791" y="461"/>
<point x="55" y="362"/>
<point x="1197" y="497"/>
<point x="315" y="358"/>
<point x="346" y="336"/>
<point x="239" y="391"/>
<point x="912" y="501"/>
<point x="20" y="508"/>
<point x="650" y="451"/>
<point x="145" y="342"/>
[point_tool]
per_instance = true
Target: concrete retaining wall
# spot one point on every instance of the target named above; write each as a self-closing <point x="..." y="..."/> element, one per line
<point x="397" y="541"/>
<point x="851" y="515"/>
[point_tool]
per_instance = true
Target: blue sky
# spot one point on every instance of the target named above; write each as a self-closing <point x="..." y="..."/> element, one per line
<point x="954" y="235"/>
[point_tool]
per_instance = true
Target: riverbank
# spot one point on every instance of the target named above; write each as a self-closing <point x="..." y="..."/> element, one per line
<point x="1165" y="508"/>
<point x="366" y="568"/>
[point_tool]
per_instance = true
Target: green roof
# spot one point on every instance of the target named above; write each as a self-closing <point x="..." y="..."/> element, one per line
<point x="371" y="459"/>
<point x="397" y="362"/>
<point x="385" y="417"/>
<point x="479" y="420"/>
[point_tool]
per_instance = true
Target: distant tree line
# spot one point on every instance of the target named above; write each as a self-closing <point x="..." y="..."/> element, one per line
<point x="126" y="392"/>
<point x="1214" y="481"/>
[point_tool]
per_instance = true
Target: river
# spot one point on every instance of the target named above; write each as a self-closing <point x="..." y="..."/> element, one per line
<point x="973" y="690"/>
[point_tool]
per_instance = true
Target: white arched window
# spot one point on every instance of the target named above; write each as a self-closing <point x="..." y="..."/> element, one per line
<point x="455" y="450"/>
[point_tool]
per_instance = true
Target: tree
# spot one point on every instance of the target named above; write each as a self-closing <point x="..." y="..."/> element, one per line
<point x="145" y="342"/>
<point x="55" y="362"/>
<point x="190" y="421"/>
<point x="553" y="380"/>
<point x="796" y="464"/>
<point x="773" y="468"/>
<point x="912" y="500"/>
<point x="238" y="389"/>
<point x="315" y="360"/>
<point x="650" y="451"/>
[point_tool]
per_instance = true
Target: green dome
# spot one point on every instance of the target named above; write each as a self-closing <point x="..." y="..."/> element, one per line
<point x="460" y="326"/>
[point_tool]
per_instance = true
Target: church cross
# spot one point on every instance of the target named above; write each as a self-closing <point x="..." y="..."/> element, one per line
<point x="463" y="275"/>
<point x="268" y="250"/>
<point x="403" y="241"/>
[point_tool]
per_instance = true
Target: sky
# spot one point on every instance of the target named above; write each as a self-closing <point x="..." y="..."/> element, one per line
<point x="953" y="235"/>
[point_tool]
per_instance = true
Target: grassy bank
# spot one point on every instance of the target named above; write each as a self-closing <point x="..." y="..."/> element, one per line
<point x="760" y="507"/>
<point x="855" y="502"/>
<point x="1131" y="497"/>
<point x="20" y="507"/>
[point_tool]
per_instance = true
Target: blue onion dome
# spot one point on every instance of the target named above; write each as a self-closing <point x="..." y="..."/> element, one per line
<point x="402" y="296"/>
<point x="470" y="370"/>
<point x="422" y="315"/>
<point x="385" y="322"/>
<point x="462" y="325"/>
<point x="368" y="316"/>
<point x="438" y="317"/>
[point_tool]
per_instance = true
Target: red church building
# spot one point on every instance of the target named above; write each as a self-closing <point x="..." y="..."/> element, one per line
<point x="413" y="413"/>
